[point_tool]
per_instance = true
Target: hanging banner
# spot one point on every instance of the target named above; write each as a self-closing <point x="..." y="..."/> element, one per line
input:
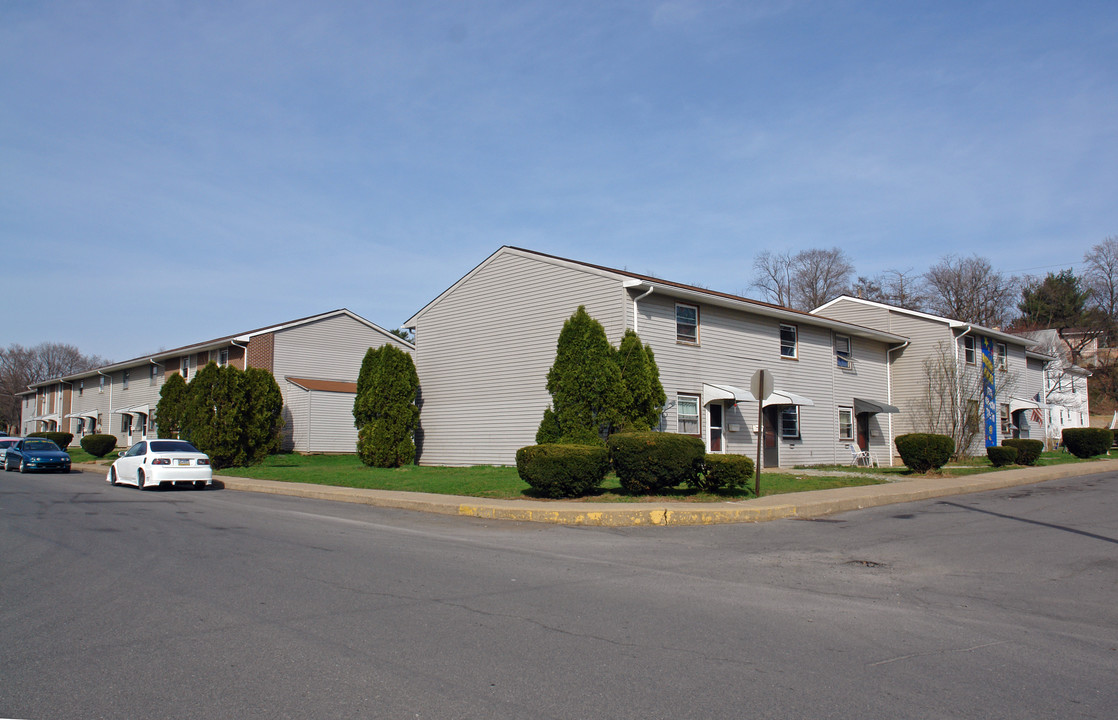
<point x="989" y="399"/>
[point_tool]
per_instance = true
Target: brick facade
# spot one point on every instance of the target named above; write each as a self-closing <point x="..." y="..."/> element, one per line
<point x="261" y="351"/>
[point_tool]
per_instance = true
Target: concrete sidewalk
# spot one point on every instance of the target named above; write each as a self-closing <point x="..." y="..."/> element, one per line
<point x="566" y="512"/>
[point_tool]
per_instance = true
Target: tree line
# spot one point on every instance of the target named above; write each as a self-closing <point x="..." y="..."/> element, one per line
<point x="966" y="288"/>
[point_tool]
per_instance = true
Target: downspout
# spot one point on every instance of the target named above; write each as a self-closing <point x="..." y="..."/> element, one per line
<point x="637" y="299"/>
<point x="244" y="360"/>
<point x="889" y="392"/>
<point x="958" y="395"/>
<point x="110" y="413"/>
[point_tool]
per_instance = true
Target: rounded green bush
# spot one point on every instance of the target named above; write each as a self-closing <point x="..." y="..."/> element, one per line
<point x="98" y="445"/>
<point x="924" y="452"/>
<point x="647" y="462"/>
<point x="1028" y="451"/>
<point x="559" y="471"/>
<point x="1088" y="442"/>
<point x="1001" y="455"/>
<point x="724" y="472"/>
<point x="61" y="439"/>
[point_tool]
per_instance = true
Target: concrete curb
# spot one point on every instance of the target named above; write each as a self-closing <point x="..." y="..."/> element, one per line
<point x="814" y="503"/>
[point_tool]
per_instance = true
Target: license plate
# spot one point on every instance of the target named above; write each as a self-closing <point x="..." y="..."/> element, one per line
<point x="182" y="461"/>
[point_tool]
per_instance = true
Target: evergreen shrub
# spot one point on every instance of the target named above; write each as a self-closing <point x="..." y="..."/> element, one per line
<point x="61" y="439"/>
<point x="1001" y="455"/>
<point x="1088" y="442"/>
<point x="724" y="472"/>
<point x="647" y="462"/>
<point x="384" y="410"/>
<point x="98" y="445"/>
<point x="559" y="471"/>
<point x="924" y="452"/>
<point x="1028" y="451"/>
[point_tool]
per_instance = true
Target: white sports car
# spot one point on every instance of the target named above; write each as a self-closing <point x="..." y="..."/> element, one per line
<point x="161" y="462"/>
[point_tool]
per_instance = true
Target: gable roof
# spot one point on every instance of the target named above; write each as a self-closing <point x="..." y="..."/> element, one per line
<point x="221" y="342"/>
<point x="672" y="289"/>
<point x="951" y="323"/>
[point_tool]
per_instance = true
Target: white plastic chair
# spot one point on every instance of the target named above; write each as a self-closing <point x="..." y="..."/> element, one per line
<point x="858" y="457"/>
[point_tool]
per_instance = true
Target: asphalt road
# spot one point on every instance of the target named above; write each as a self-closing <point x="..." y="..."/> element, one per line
<point x="118" y="603"/>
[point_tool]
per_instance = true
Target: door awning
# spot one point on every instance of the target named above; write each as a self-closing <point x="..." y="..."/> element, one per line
<point x="1016" y="404"/>
<point x="134" y="410"/>
<point x="783" y="397"/>
<point x="93" y="414"/>
<point x="872" y="407"/>
<point x="713" y="392"/>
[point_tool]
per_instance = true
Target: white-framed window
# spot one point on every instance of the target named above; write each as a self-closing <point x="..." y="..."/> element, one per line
<point x="843" y="351"/>
<point x="687" y="414"/>
<point x="1002" y="356"/>
<point x="101" y="389"/>
<point x="223" y="357"/>
<point x="1003" y="415"/>
<point x="154" y="374"/>
<point x="846" y="423"/>
<point x="81" y="387"/>
<point x="686" y="323"/>
<point x="184" y="367"/>
<point x="970" y="356"/>
<point x="789" y="342"/>
<point x="124" y="379"/>
<point x="790" y="421"/>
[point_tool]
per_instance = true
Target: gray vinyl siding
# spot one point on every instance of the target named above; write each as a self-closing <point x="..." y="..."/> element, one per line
<point x="733" y="345"/>
<point x="331" y="422"/>
<point x="484" y="349"/>
<point x="328" y="349"/>
<point x="296" y="417"/>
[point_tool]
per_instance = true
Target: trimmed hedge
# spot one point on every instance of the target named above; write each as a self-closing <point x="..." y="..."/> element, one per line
<point x="924" y="452"/>
<point x="724" y="472"/>
<point x="1028" y="451"/>
<point x="1001" y="455"/>
<point x="61" y="439"/>
<point x="98" y="445"/>
<point x="1088" y="442"/>
<point x="647" y="462"/>
<point x="558" y="471"/>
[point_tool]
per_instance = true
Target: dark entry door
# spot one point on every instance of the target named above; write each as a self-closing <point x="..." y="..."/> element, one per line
<point x="772" y="427"/>
<point x="864" y="431"/>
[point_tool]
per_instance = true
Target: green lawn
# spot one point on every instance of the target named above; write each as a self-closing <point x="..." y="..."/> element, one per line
<point x="496" y="482"/>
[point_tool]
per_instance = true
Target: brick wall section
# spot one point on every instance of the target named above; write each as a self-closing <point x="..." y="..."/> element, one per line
<point x="237" y="357"/>
<point x="261" y="351"/>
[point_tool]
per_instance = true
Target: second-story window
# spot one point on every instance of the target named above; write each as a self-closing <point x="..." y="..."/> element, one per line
<point x="124" y="379"/>
<point x="184" y="367"/>
<point x="789" y="342"/>
<point x="970" y="356"/>
<point x="843" y="349"/>
<point x="154" y="374"/>
<point x="81" y="387"/>
<point x="101" y="389"/>
<point x="1003" y="356"/>
<point x="223" y="357"/>
<point x="686" y="323"/>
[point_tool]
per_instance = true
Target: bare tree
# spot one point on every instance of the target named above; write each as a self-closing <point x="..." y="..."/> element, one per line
<point x="772" y="275"/>
<point x="951" y="403"/>
<point x="803" y="281"/>
<point x="969" y="289"/>
<point x="21" y="366"/>
<point x="1101" y="276"/>
<point x="818" y="276"/>
<point x="892" y="287"/>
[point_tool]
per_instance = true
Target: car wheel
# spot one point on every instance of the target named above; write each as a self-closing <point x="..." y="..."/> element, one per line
<point x="22" y="466"/>
<point x="199" y="484"/>
<point x="140" y="480"/>
<point x="7" y="465"/>
<point x="112" y="476"/>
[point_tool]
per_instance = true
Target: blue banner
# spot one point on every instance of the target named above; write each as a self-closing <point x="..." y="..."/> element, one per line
<point x="989" y="399"/>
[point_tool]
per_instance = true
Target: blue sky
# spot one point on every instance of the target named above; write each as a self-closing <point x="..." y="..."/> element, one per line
<point x="174" y="171"/>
